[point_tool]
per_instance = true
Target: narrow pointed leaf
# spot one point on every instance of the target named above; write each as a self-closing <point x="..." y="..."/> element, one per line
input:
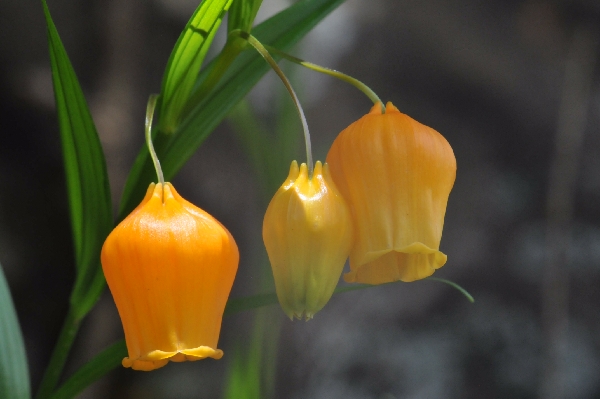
<point x="186" y="59"/>
<point x="249" y="363"/>
<point x="105" y="361"/>
<point x="282" y="31"/>
<point x="14" y="374"/>
<point x="85" y="168"/>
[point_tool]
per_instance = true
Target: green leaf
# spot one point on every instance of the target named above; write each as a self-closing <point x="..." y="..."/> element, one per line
<point x="89" y="198"/>
<point x="257" y="144"/>
<point x="281" y="31"/>
<point x="269" y="154"/>
<point x="241" y="15"/>
<point x="244" y="377"/>
<point x="104" y="362"/>
<point x="237" y="305"/>
<point x="87" y="179"/>
<point x="246" y="368"/>
<point x="14" y="375"/>
<point x="186" y="59"/>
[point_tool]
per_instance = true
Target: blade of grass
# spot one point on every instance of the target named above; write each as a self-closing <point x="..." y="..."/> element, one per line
<point x="85" y="169"/>
<point x="89" y="198"/>
<point x="186" y="59"/>
<point x="14" y="374"/>
<point x="244" y="379"/>
<point x="104" y="362"/>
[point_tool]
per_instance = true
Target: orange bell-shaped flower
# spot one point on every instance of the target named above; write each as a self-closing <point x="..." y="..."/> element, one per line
<point x="307" y="232"/>
<point x="396" y="175"/>
<point x="170" y="267"/>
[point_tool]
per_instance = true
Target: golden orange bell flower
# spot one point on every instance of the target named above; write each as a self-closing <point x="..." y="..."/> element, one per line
<point x="307" y="232"/>
<point x="396" y="175"/>
<point x="170" y="267"/>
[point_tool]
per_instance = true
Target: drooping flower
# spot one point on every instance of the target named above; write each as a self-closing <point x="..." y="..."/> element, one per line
<point x="170" y="267"/>
<point x="396" y="175"/>
<point x="307" y="232"/>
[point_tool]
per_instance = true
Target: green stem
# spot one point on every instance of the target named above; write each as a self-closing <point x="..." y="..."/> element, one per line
<point x="453" y="285"/>
<point x="331" y="72"/>
<point x="265" y="54"/>
<point x="148" y="130"/>
<point x="59" y="355"/>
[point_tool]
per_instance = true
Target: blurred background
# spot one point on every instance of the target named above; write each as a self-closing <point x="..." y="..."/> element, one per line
<point x="513" y="86"/>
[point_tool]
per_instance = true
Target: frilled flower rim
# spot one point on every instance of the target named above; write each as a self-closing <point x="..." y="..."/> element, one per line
<point x="413" y="262"/>
<point x="157" y="359"/>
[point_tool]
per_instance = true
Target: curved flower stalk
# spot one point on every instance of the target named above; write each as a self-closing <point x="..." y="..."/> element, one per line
<point x="307" y="232"/>
<point x="170" y="267"/>
<point x="396" y="175"/>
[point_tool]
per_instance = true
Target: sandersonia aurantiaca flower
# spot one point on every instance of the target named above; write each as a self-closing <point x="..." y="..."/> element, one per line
<point x="395" y="175"/>
<point x="307" y="228"/>
<point x="170" y="267"/>
<point x="307" y="232"/>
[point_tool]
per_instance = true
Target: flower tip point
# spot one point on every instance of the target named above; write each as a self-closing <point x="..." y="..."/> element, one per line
<point x="389" y="107"/>
<point x="377" y="109"/>
<point x="318" y="168"/>
<point x="303" y="170"/>
<point x="294" y="171"/>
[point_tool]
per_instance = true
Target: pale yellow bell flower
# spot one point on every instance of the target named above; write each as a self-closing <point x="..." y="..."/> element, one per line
<point x="307" y="232"/>
<point x="395" y="175"/>
<point x="170" y="267"/>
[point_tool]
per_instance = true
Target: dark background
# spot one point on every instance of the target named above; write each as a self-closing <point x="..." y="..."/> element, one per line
<point x="512" y="85"/>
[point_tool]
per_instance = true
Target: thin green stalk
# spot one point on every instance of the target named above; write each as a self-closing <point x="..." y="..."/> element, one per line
<point x="59" y="355"/>
<point x="148" y="130"/>
<point x="331" y="72"/>
<point x="265" y="54"/>
<point x="455" y="286"/>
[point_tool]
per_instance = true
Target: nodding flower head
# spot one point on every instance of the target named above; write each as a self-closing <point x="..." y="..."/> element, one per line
<point x="395" y="175"/>
<point x="307" y="232"/>
<point x="170" y="267"/>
